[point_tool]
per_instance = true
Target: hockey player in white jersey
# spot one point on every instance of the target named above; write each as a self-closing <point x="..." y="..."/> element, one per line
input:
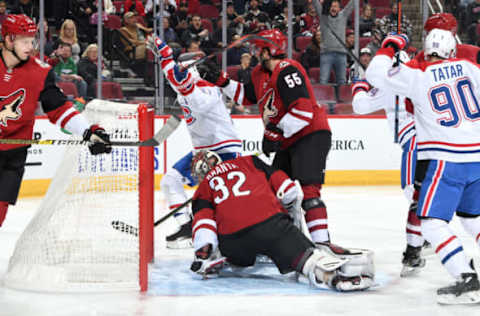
<point x="367" y="100"/>
<point x="210" y="127"/>
<point x="445" y="92"/>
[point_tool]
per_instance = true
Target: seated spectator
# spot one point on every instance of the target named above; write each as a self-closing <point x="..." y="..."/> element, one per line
<point x="134" y="36"/>
<point x="216" y="38"/>
<point x="3" y="11"/>
<point x="310" y="21"/>
<point x="235" y="22"/>
<point x="376" y="41"/>
<point x="27" y="7"/>
<point x="179" y="20"/>
<point x="274" y="7"/>
<point x="473" y="18"/>
<point x="311" y="56"/>
<point x="365" y="58"/>
<point x="49" y="44"/>
<point x="281" y="22"/>
<point x="256" y="20"/>
<point x="68" y="34"/>
<point x="245" y="71"/>
<point x="350" y="43"/>
<point x="367" y="20"/>
<point x="193" y="46"/>
<point x="66" y="69"/>
<point x="87" y="69"/>
<point x="235" y="53"/>
<point x="196" y="32"/>
<point x="389" y="22"/>
<point x="169" y="35"/>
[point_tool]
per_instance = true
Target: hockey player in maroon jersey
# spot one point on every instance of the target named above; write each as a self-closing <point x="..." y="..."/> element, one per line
<point x="296" y="128"/>
<point x="239" y="213"/>
<point x="24" y="81"/>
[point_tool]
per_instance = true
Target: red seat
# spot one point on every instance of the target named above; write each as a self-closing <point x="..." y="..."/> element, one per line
<point x="118" y="6"/>
<point x="345" y="93"/>
<point x="343" y="108"/>
<point x="113" y="22"/>
<point x="381" y="12"/>
<point x="324" y="93"/>
<point x="301" y="42"/>
<point x="314" y="74"/>
<point x="364" y="41"/>
<point x="208" y="11"/>
<point x="233" y="71"/>
<point x="379" y="3"/>
<point x="69" y="88"/>
<point x="296" y="55"/>
<point x="111" y="90"/>
<point x="207" y="24"/>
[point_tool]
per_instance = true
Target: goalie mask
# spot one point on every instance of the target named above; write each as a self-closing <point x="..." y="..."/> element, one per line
<point x="202" y="162"/>
<point x="440" y="43"/>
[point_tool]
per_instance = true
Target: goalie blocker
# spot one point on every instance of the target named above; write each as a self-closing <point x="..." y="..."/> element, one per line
<point x="253" y="222"/>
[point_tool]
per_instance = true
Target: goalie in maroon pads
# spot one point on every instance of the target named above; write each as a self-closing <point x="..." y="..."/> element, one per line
<point x="296" y="128"/>
<point x="240" y="212"/>
<point x="24" y="81"/>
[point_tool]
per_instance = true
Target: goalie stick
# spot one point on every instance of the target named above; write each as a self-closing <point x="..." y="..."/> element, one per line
<point x="397" y="62"/>
<point x="132" y="230"/>
<point x="170" y="125"/>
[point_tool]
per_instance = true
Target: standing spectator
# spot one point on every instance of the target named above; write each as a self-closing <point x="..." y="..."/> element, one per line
<point x="311" y="56"/>
<point x="134" y="36"/>
<point x="350" y="43"/>
<point x="66" y="69"/>
<point x="82" y="12"/>
<point x="3" y="11"/>
<point x="169" y="35"/>
<point x="87" y="69"/>
<point x="235" y="53"/>
<point x="68" y="34"/>
<point x="180" y="18"/>
<point x="256" y="20"/>
<point x="235" y="22"/>
<point x="389" y="22"/>
<point x="245" y="71"/>
<point x="376" y="41"/>
<point x="27" y="7"/>
<point x="333" y="53"/>
<point x="196" y="32"/>
<point x="309" y="22"/>
<point x="473" y="18"/>
<point x="367" y="20"/>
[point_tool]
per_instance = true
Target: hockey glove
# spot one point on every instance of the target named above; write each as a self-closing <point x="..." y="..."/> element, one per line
<point x="159" y="48"/>
<point x="360" y="85"/>
<point x="207" y="261"/>
<point x="99" y="140"/>
<point x="396" y="41"/>
<point x="210" y="71"/>
<point x="272" y="139"/>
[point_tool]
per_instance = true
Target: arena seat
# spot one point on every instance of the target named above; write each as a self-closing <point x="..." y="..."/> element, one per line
<point x="207" y="24"/>
<point x="324" y="93"/>
<point x="301" y="42"/>
<point x="69" y="88"/>
<point x="345" y="93"/>
<point x="381" y="12"/>
<point x="111" y="90"/>
<point x="363" y="41"/>
<point x="208" y="11"/>
<point x="114" y="22"/>
<point x="314" y="74"/>
<point x="233" y="71"/>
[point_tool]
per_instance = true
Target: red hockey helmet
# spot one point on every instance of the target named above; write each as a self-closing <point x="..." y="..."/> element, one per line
<point x="443" y="21"/>
<point x="276" y="42"/>
<point x="18" y="24"/>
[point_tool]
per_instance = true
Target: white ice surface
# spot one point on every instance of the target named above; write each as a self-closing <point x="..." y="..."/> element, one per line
<point x="364" y="217"/>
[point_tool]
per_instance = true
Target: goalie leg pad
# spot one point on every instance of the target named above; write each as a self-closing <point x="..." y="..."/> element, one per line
<point x="320" y="267"/>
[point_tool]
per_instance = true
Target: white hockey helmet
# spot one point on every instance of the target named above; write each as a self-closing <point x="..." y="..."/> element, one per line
<point x="202" y="162"/>
<point x="440" y="43"/>
<point x="186" y="59"/>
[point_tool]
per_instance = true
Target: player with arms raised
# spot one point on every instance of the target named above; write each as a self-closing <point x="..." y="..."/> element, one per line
<point x="444" y="91"/>
<point x="25" y="80"/>
<point x="296" y="128"/>
<point x="238" y="214"/>
<point x="208" y="123"/>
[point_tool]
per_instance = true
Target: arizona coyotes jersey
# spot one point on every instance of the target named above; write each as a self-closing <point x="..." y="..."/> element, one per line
<point x="377" y="99"/>
<point x="208" y="121"/>
<point x="285" y="98"/>
<point x="235" y="195"/>
<point x="446" y="98"/>
<point x="20" y="90"/>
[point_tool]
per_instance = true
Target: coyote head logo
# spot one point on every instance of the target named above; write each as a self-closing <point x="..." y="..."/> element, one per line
<point x="10" y="106"/>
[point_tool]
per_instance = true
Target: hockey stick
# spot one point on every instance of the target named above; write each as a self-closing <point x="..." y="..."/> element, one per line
<point x="397" y="62"/>
<point x="132" y="230"/>
<point x="243" y="39"/>
<point x="170" y="125"/>
<point x="316" y="4"/>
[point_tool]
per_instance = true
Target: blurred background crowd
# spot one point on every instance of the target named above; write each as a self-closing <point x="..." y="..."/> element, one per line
<point x="196" y="25"/>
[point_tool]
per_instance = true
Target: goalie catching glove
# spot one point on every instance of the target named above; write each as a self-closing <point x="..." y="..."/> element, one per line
<point x="207" y="261"/>
<point x="99" y="140"/>
<point x="210" y="72"/>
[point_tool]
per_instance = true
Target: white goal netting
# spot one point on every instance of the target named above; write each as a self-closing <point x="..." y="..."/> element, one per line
<point x="70" y="244"/>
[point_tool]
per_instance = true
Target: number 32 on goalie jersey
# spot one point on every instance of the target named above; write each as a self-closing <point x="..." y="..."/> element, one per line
<point x="234" y="188"/>
<point x="457" y="102"/>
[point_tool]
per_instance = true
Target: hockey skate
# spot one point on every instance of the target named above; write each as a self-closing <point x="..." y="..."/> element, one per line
<point x="182" y="238"/>
<point x="464" y="291"/>
<point x="412" y="261"/>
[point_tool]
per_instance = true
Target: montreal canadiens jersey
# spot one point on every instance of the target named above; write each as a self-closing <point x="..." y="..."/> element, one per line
<point x="446" y="102"/>
<point x="377" y="99"/>
<point x="20" y="90"/>
<point x="208" y="121"/>
<point x="235" y="195"/>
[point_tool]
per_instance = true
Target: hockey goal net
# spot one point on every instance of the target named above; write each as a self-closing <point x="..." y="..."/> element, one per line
<point x="70" y="244"/>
